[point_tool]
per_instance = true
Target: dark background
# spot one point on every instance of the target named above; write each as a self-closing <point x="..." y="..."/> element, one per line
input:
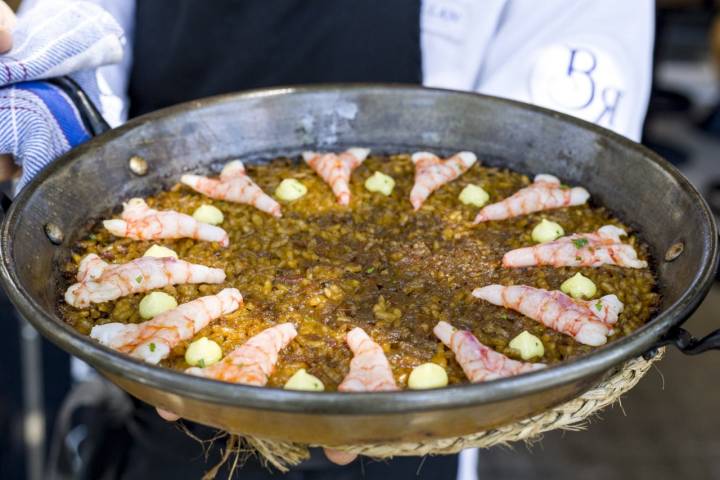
<point x="668" y="427"/>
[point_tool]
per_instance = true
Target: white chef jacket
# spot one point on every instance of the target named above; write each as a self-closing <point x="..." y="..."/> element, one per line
<point x="587" y="58"/>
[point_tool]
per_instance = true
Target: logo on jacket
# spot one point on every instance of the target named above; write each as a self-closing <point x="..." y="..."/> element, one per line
<point x="582" y="81"/>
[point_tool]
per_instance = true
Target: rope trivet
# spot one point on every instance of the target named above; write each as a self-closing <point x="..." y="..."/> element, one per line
<point x="571" y="415"/>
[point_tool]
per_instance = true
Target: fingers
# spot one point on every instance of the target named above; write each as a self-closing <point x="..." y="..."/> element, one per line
<point x="5" y="40"/>
<point x="339" y="458"/>
<point x="7" y="23"/>
<point x="165" y="415"/>
<point x="8" y="168"/>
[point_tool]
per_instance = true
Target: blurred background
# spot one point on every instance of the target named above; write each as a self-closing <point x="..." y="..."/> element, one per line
<point x="668" y="425"/>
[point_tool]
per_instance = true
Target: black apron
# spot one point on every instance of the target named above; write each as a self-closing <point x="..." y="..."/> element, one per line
<point x="188" y="49"/>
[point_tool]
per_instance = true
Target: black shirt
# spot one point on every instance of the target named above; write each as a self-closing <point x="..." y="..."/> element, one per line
<point x="187" y="49"/>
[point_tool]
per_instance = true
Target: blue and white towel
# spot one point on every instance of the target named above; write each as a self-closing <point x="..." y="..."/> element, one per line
<point x="38" y="122"/>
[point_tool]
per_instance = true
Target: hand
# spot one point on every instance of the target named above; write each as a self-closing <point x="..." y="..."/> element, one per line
<point x="339" y="457"/>
<point x="335" y="456"/>
<point x="31" y="112"/>
<point x="8" y="169"/>
<point x="7" y="23"/>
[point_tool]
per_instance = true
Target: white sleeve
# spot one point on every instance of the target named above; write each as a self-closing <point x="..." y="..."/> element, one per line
<point x="113" y="79"/>
<point x="588" y="58"/>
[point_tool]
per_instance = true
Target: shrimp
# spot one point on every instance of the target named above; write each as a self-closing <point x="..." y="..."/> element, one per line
<point x="91" y="268"/>
<point x="479" y="362"/>
<point x="254" y="361"/>
<point x="369" y="368"/>
<point x="432" y="173"/>
<point x="235" y="186"/>
<point x="100" y="282"/>
<point x="580" y="250"/>
<point x="336" y="168"/>
<point x="589" y="322"/>
<point x="545" y="193"/>
<point x="152" y="340"/>
<point x="140" y="222"/>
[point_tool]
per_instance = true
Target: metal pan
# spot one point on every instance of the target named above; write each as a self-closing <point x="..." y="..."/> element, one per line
<point x="641" y="188"/>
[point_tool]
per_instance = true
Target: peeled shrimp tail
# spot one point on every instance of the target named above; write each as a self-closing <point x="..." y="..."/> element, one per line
<point x="369" y="369"/>
<point x="233" y="169"/>
<point x="565" y="254"/>
<point x="358" y="154"/>
<point x="559" y="253"/>
<point x="431" y="173"/>
<point x="204" y="309"/>
<point x="141" y="222"/>
<point x="245" y="190"/>
<point x="264" y="202"/>
<point x="607" y="309"/>
<point x="581" y="249"/>
<point x="253" y="362"/>
<point x="554" y="309"/>
<point x="153" y="340"/>
<point x="612" y="232"/>
<point x="117" y="227"/>
<point x="425" y="181"/>
<point x="114" y="334"/>
<point x="545" y="193"/>
<point x="336" y="169"/>
<point x="139" y="275"/>
<point x="185" y="272"/>
<point x="179" y="225"/>
<point x="479" y="362"/>
<point x="204" y="231"/>
<point x="495" y="211"/>
<point x="627" y="257"/>
<point x="235" y="187"/>
<point x="91" y="267"/>
<point x="208" y="186"/>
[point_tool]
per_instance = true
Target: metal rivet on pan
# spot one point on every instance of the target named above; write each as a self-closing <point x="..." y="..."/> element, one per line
<point x="675" y="250"/>
<point x="54" y="234"/>
<point x="138" y="165"/>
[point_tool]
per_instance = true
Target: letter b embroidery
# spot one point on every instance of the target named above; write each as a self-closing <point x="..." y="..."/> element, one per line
<point x="582" y="81"/>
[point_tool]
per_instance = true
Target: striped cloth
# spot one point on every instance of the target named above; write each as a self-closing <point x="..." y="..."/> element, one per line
<point x="38" y="122"/>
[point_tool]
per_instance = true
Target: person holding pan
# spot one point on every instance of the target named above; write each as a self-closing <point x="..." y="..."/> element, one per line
<point x="586" y="58"/>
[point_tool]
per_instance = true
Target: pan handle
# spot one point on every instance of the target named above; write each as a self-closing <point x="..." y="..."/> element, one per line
<point x="686" y="343"/>
<point x="91" y="117"/>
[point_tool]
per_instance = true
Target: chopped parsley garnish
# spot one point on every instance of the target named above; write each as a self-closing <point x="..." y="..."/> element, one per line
<point x="152" y="347"/>
<point x="201" y="363"/>
<point x="370" y="270"/>
<point x="598" y="306"/>
<point x="139" y="279"/>
<point x="580" y="242"/>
